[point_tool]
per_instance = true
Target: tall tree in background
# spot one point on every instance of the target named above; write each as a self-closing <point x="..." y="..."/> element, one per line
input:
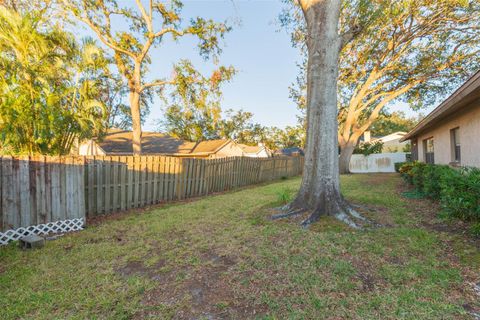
<point x="388" y="123"/>
<point x="193" y="109"/>
<point x="48" y="85"/>
<point x="113" y="94"/>
<point x="149" y="27"/>
<point x="413" y="51"/>
<point x="319" y="193"/>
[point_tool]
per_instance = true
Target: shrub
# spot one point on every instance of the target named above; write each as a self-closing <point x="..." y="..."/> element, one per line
<point x="457" y="189"/>
<point x="417" y="174"/>
<point x="406" y="171"/>
<point x="431" y="181"/>
<point x="460" y="194"/>
<point x="397" y="165"/>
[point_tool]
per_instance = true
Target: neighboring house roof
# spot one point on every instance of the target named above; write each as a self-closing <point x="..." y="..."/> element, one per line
<point x="253" y="149"/>
<point x="290" y="151"/>
<point x="250" y="149"/>
<point x="460" y="99"/>
<point x="390" y="137"/>
<point x="120" y="142"/>
<point x="208" y="146"/>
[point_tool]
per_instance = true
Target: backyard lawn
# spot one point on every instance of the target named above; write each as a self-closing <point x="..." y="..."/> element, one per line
<point x="221" y="258"/>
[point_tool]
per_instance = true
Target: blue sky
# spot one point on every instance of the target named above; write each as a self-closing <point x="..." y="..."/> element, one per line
<point x="262" y="55"/>
<point x="256" y="47"/>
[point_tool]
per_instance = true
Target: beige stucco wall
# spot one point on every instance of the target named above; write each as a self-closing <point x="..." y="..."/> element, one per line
<point x="468" y="123"/>
<point x="90" y="148"/>
<point x="229" y="150"/>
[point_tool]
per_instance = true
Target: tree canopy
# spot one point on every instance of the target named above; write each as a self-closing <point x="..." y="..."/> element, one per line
<point x="48" y="84"/>
<point x="149" y="26"/>
<point x="415" y="51"/>
<point x="388" y="123"/>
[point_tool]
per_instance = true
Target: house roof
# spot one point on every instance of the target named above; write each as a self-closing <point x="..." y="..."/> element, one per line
<point x="392" y="136"/>
<point x="120" y="142"/>
<point x="250" y="149"/>
<point x="290" y="151"/>
<point x="208" y="146"/>
<point x="462" y="98"/>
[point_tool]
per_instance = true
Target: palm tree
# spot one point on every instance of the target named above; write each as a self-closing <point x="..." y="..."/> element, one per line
<point x="48" y="91"/>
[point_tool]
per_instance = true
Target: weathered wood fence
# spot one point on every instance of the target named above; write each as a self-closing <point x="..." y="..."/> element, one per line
<point x="42" y="190"/>
<point x="40" y="195"/>
<point x="119" y="183"/>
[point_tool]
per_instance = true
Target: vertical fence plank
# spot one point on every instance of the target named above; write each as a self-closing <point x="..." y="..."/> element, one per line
<point x="115" y="184"/>
<point x="24" y="191"/>
<point x="130" y="172"/>
<point x="82" y="209"/>
<point x="161" y="179"/>
<point x="100" y="166"/>
<point x="7" y="190"/>
<point x="123" y="182"/>
<point x="90" y="184"/>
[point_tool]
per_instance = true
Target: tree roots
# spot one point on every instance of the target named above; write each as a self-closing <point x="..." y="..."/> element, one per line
<point x="343" y="212"/>
<point x="286" y="212"/>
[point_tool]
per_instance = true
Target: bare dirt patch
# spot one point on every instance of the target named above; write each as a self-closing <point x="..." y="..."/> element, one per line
<point x="427" y="213"/>
<point x="200" y="292"/>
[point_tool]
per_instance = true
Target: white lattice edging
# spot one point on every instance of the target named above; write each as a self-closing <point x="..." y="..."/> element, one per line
<point x="42" y="229"/>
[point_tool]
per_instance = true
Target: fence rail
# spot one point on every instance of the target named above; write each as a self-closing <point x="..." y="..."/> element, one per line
<point x="40" y="190"/>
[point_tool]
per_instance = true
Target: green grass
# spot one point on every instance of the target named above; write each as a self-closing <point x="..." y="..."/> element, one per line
<point x="221" y="257"/>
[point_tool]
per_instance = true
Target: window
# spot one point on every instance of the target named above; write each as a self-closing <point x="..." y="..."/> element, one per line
<point x="455" y="143"/>
<point x="428" y="150"/>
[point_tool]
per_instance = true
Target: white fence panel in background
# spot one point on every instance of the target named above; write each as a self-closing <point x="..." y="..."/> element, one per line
<point x="377" y="162"/>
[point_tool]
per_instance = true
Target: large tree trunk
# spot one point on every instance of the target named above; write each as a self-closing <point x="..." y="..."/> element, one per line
<point x="346" y="151"/>
<point x="319" y="193"/>
<point x="136" y="122"/>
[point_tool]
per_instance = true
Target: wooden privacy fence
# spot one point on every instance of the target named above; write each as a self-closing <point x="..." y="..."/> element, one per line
<point x="115" y="183"/>
<point x="40" y="195"/>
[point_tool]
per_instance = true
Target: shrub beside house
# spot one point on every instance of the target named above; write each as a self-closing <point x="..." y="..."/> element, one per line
<point x="457" y="189"/>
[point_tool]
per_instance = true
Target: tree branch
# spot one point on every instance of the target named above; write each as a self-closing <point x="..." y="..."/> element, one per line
<point x="349" y="35"/>
<point x="146" y="17"/>
<point x="156" y="84"/>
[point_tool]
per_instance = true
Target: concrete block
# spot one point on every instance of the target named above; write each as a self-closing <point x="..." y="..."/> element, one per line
<point x="32" y="242"/>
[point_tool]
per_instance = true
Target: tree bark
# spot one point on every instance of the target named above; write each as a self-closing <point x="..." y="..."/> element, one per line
<point x="346" y="151"/>
<point x="136" y="122"/>
<point x="319" y="192"/>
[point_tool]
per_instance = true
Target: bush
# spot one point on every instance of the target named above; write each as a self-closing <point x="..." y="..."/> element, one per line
<point x="432" y="178"/>
<point x="457" y="189"/>
<point x="417" y="174"/>
<point x="406" y="171"/>
<point x="398" y="165"/>
<point x="460" y="194"/>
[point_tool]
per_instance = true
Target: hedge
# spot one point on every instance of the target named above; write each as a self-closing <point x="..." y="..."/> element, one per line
<point x="457" y="189"/>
